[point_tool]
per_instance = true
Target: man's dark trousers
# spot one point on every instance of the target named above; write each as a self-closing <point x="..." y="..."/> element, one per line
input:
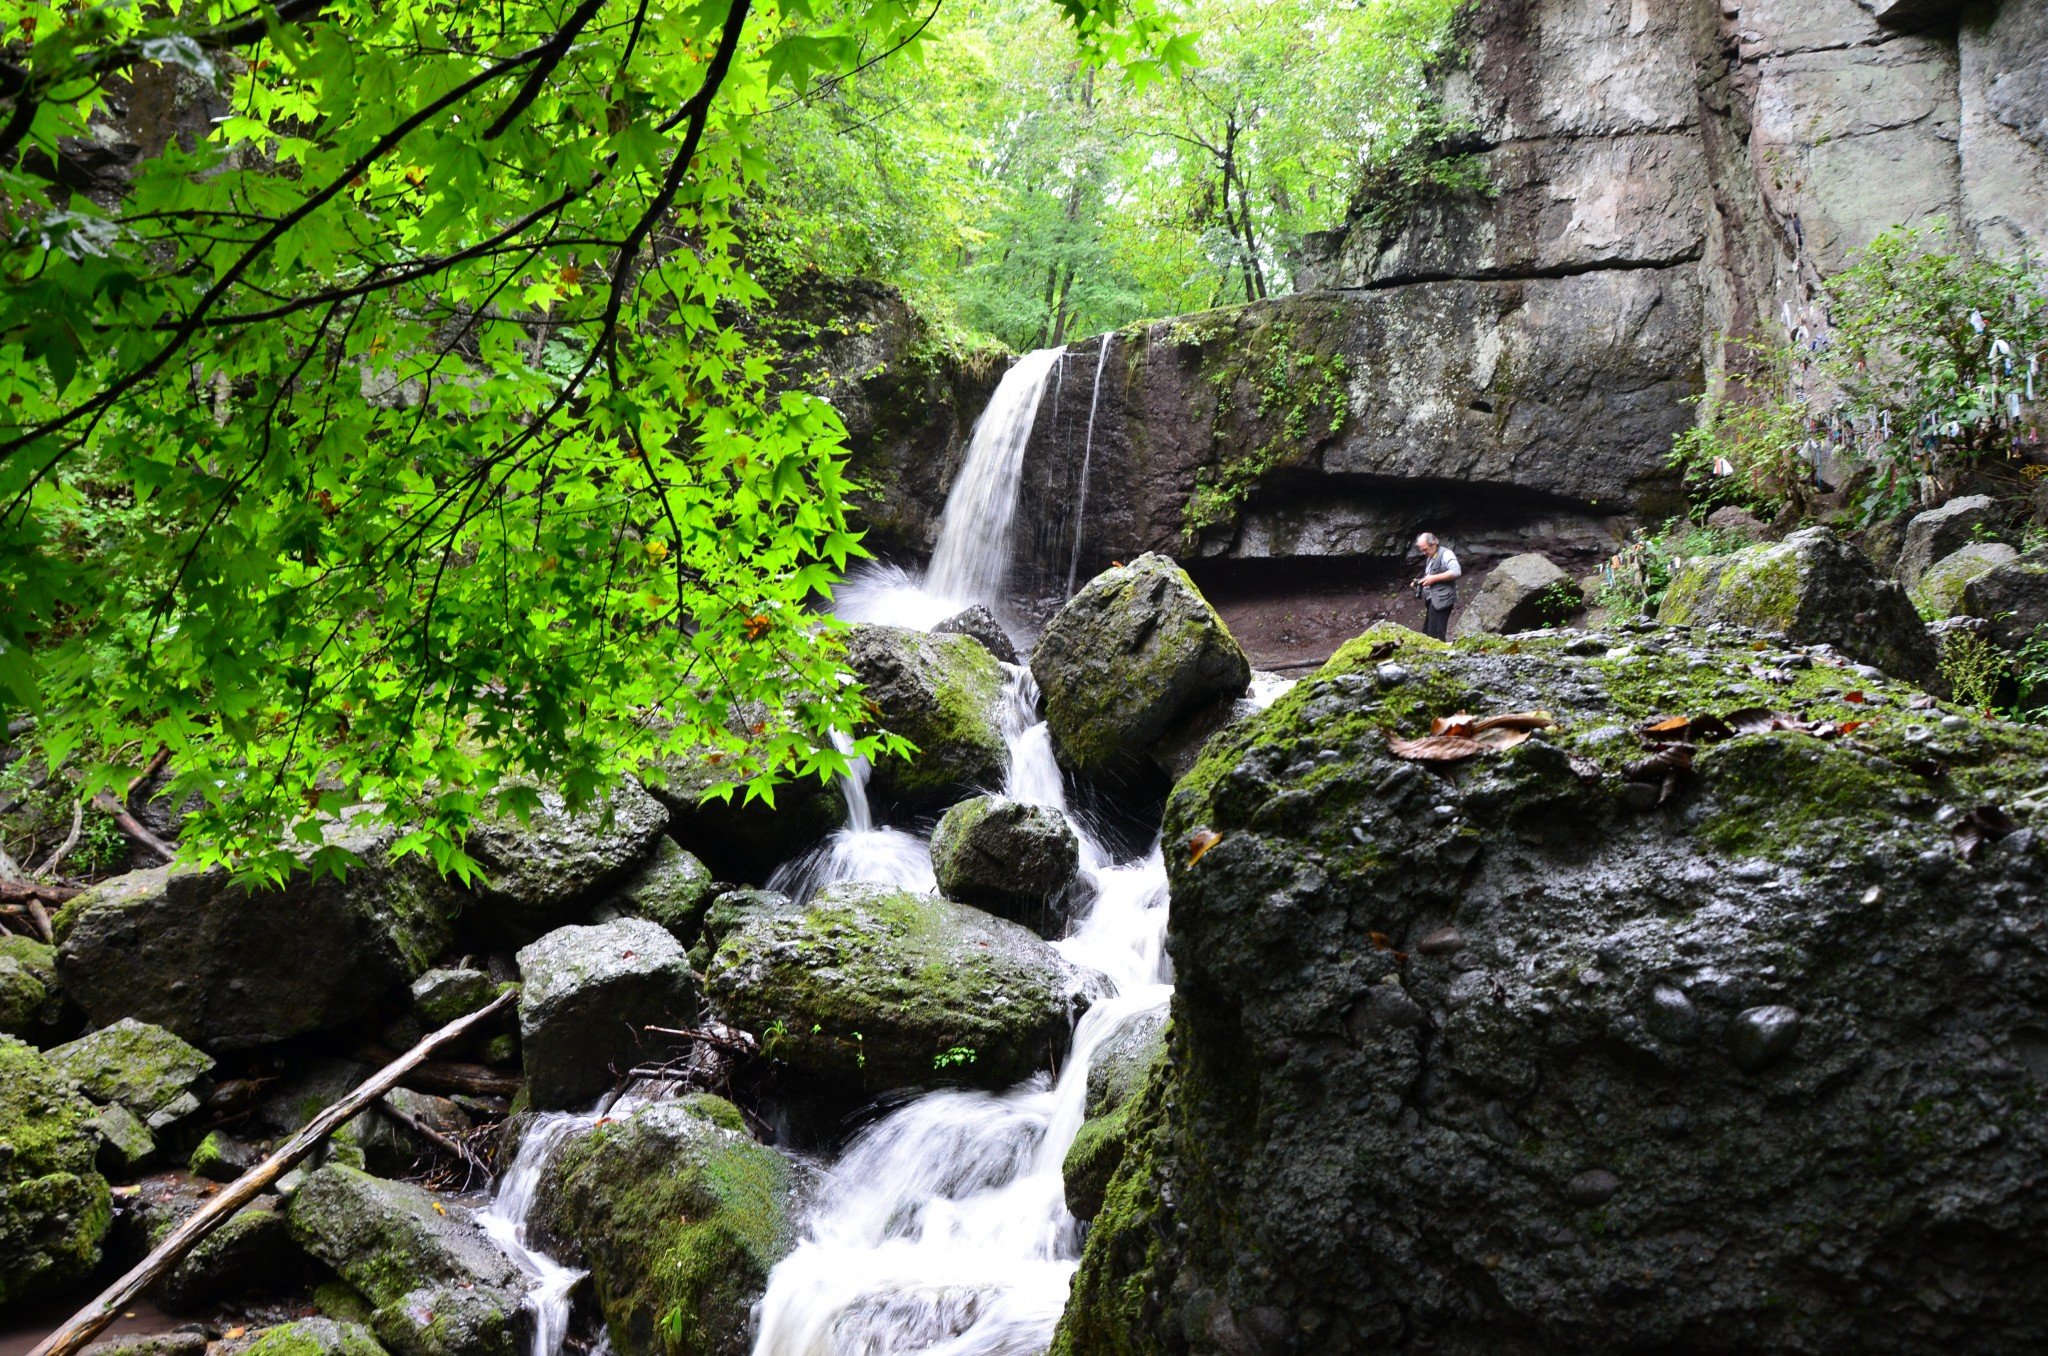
<point x="1437" y="625"/>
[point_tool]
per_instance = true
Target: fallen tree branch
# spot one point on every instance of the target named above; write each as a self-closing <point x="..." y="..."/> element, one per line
<point x="132" y="826"/>
<point x="88" y="1322"/>
<point x="70" y="840"/>
<point x="155" y="765"/>
<point x="23" y="891"/>
<point x="446" y="1076"/>
<point x="454" y="1148"/>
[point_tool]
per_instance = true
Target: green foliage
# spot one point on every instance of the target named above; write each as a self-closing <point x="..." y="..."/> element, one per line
<point x="396" y="438"/>
<point x="953" y="1057"/>
<point x="1973" y="668"/>
<point x="1745" y="449"/>
<point x="1915" y="355"/>
<point x="2030" y="674"/>
<point x="1633" y="581"/>
<point x="1559" y="603"/>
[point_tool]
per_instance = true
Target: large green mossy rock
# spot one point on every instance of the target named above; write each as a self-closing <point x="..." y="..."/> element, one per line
<point x="31" y="996"/>
<point x="1020" y="862"/>
<point x="54" y="1208"/>
<point x="315" y="1337"/>
<point x="142" y="1067"/>
<point x="588" y="994"/>
<point x="1568" y="1048"/>
<point x="1117" y="1074"/>
<point x="679" y="1215"/>
<point x="252" y="1251"/>
<point x="1815" y="589"/>
<point x="1940" y="587"/>
<point x="1133" y="654"/>
<point x="874" y="989"/>
<point x="546" y="870"/>
<point x="229" y="967"/>
<point x="944" y="694"/>
<point x="440" y="1286"/>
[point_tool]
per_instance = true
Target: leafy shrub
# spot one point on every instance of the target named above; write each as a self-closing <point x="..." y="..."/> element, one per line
<point x="1634" y="578"/>
<point x="1973" y="668"/>
<point x="1745" y="449"/>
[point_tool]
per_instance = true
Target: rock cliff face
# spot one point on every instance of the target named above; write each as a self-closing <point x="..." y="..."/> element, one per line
<point x="1581" y="1047"/>
<point x="1510" y="368"/>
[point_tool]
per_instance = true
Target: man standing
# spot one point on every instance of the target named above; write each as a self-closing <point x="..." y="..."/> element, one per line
<point x="1438" y="585"/>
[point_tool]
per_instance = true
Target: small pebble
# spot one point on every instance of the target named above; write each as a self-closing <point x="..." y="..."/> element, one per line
<point x="1442" y="942"/>
<point x="1673" y="1016"/>
<point x="1593" y="1187"/>
<point x="1760" y="1037"/>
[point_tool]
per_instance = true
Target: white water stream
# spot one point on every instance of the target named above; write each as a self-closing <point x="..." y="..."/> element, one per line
<point x="943" y="1228"/>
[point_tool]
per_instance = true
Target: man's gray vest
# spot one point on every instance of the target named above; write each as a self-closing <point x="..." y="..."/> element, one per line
<point x="1439" y="595"/>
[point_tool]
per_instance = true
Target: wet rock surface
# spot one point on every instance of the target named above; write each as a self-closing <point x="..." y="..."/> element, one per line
<point x="1129" y="657"/>
<point x="1744" y="1067"/>
<point x="943" y="694"/>
<point x="144" y="1068"/>
<point x="1941" y="532"/>
<point x="1814" y="588"/>
<point x="980" y="623"/>
<point x="675" y="1209"/>
<point x="878" y="989"/>
<point x="54" y="1206"/>
<point x="672" y="889"/>
<point x="540" y="872"/>
<point x="229" y="967"/>
<point x="1020" y="862"/>
<point x="587" y="993"/>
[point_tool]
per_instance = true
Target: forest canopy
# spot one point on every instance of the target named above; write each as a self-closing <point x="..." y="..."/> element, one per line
<point x="390" y="436"/>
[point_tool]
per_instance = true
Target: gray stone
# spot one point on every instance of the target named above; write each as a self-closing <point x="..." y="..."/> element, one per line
<point x="31" y="996"/>
<point x="54" y="1207"/>
<point x="673" y="889"/>
<point x="125" y="1141"/>
<point x="541" y="873"/>
<point x="738" y="838"/>
<point x="1940" y="587"/>
<point x="980" y="623"/>
<point x="252" y="1251"/>
<point x="943" y="694"/>
<point x="314" y="1337"/>
<point x="143" y="1067"/>
<point x="587" y="993"/>
<point x="1814" y="588"/>
<point x="441" y="996"/>
<point x="1940" y="533"/>
<point x="440" y="1286"/>
<point x="1310" y="1146"/>
<point x="1130" y="656"/>
<point x="1020" y="862"/>
<point x="231" y="967"/>
<point x="1520" y="594"/>
<point x="870" y="989"/>
<point x="1760" y="1037"/>
<point x="2013" y="597"/>
<point x="1593" y="1187"/>
<point x="1729" y="518"/>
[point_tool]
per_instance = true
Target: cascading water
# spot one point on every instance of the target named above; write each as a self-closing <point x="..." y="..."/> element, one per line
<point x="1087" y="455"/>
<point x="505" y="1221"/>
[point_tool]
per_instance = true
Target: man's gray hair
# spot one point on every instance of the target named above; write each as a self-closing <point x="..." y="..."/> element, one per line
<point x="1429" y="537"/>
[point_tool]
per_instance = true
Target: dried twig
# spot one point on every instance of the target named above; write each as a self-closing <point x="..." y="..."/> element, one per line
<point x="156" y="765"/>
<point x="132" y="826"/>
<point x="70" y="840"/>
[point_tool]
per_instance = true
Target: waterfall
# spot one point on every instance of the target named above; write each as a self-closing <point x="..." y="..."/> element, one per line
<point x="1087" y="455"/>
<point x="504" y="1220"/>
<point x="861" y="851"/>
<point x="973" y="555"/>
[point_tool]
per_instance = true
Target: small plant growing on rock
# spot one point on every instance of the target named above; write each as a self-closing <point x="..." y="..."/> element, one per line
<point x="954" y="1057"/>
<point x="1972" y="667"/>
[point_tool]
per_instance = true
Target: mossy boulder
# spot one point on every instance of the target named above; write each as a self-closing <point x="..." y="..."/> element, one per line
<point x="1133" y="654"/>
<point x="1116" y="1077"/>
<point x="253" y="1251"/>
<point x="1020" y="862"/>
<point x="871" y="989"/>
<point x="1941" y="586"/>
<point x="944" y="694"/>
<point x="543" y="871"/>
<point x="31" y="996"/>
<point x="980" y="623"/>
<point x="587" y="994"/>
<point x="673" y="889"/>
<point x="1521" y="593"/>
<point x="1814" y="588"/>
<point x="143" y="1067"/>
<point x="729" y="910"/>
<point x="231" y="966"/>
<point x="2013" y="597"/>
<point x="1940" y="532"/>
<point x="54" y="1207"/>
<point x="441" y="996"/>
<point x="737" y="838"/>
<point x="1655" y="1058"/>
<point x="315" y="1337"/>
<point x="679" y="1215"/>
<point x="440" y="1286"/>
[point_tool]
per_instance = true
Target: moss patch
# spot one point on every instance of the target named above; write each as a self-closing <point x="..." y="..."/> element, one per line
<point x="54" y="1209"/>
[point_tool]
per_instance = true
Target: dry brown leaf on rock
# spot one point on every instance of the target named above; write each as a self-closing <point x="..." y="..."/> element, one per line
<point x="1459" y="726"/>
<point x="1199" y="842"/>
<point x="1436" y="749"/>
<point x="1501" y="738"/>
<point x="1518" y="720"/>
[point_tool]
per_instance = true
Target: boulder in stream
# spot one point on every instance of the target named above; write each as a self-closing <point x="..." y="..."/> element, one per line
<point x="871" y="989"/>
<point x="440" y="1286"/>
<point x="1133" y="654"/>
<point x="1814" y="588"/>
<point x="1587" y="1046"/>
<point x="587" y="994"/>
<point x="229" y="967"/>
<point x="679" y="1214"/>
<point x="1020" y="862"/>
<point x="142" y="1067"/>
<point x="31" y="996"/>
<point x="672" y="889"/>
<point x="980" y="623"/>
<point x="54" y="1206"/>
<point x="541" y="873"/>
<point x="314" y="1337"/>
<point x="944" y="694"/>
<point x="737" y="838"/>
<point x="1520" y="594"/>
<point x="1116" y="1078"/>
